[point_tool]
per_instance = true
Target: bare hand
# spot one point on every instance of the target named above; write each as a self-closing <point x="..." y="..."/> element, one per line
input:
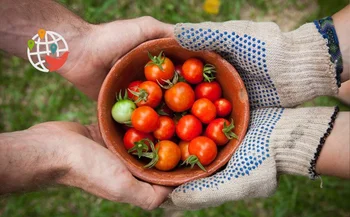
<point x="71" y="154"/>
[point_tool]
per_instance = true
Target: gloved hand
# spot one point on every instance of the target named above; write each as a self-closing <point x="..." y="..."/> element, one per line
<point x="279" y="70"/>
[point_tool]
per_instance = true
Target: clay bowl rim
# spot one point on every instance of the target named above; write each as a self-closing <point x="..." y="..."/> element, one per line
<point x="133" y="169"/>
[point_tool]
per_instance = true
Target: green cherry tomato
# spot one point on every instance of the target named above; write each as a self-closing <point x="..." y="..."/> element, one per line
<point x="122" y="110"/>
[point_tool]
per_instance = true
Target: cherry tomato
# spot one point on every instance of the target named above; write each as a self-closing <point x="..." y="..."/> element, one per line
<point x="188" y="128"/>
<point x="133" y="86"/>
<point x="192" y="70"/>
<point x="145" y="119"/>
<point x="179" y="97"/>
<point x="204" y="149"/>
<point x="178" y="69"/>
<point x="184" y="150"/>
<point x="204" y="110"/>
<point x="209" y="90"/>
<point x="223" y="107"/>
<point x="220" y="131"/>
<point x="159" y="69"/>
<point x="148" y="94"/>
<point x="123" y="109"/>
<point x="134" y="141"/>
<point x="166" y="128"/>
<point x="169" y="155"/>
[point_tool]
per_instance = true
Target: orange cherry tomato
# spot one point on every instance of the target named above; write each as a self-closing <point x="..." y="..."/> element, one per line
<point x="169" y="155"/>
<point x="192" y="70"/>
<point x="179" y="97"/>
<point x="148" y="94"/>
<point x="184" y="150"/>
<point x="204" y="110"/>
<point x="145" y="119"/>
<point x="159" y="69"/>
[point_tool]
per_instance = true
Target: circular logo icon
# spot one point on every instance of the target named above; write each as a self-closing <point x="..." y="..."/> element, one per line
<point x="47" y="51"/>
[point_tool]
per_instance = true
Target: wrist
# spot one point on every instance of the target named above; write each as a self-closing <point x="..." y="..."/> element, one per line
<point x="299" y="137"/>
<point x="78" y="43"/>
<point x="27" y="162"/>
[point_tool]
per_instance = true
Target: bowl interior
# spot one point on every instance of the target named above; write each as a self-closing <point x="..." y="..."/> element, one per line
<point x="130" y="68"/>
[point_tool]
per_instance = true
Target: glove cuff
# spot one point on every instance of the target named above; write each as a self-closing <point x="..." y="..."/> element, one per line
<point x="326" y="28"/>
<point x="299" y="137"/>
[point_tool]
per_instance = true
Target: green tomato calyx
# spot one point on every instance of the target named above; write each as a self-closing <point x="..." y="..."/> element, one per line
<point x="139" y="147"/>
<point x="227" y="130"/>
<point x="157" y="60"/>
<point x="209" y="72"/>
<point x="192" y="160"/>
<point x="141" y="94"/>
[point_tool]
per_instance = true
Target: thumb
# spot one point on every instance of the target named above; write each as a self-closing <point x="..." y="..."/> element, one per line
<point x="148" y="196"/>
<point x="152" y="28"/>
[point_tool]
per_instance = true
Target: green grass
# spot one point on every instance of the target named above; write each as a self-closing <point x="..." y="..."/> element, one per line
<point x="28" y="97"/>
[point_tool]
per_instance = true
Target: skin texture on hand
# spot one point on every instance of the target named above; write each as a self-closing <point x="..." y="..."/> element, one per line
<point x="334" y="158"/>
<point x="341" y="23"/>
<point x="105" y="44"/>
<point x="93" y="48"/>
<point x="70" y="154"/>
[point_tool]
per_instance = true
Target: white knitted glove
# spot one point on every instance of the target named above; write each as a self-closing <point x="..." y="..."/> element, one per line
<point x="279" y="141"/>
<point x="279" y="70"/>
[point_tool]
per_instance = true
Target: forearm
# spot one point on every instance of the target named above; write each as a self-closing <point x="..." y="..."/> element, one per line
<point x="28" y="163"/>
<point x="341" y="23"/>
<point x="21" y="19"/>
<point x="334" y="158"/>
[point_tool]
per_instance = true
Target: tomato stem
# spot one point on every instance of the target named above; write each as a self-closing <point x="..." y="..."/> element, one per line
<point x="168" y="82"/>
<point x="140" y="147"/>
<point x="227" y="130"/>
<point x="153" y="155"/>
<point x="156" y="60"/>
<point x="209" y="72"/>
<point x="120" y="97"/>
<point x="141" y="95"/>
<point x="160" y="110"/>
<point x="192" y="160"/>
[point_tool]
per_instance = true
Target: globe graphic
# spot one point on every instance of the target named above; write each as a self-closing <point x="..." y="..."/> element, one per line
<point x="36" y="55"/>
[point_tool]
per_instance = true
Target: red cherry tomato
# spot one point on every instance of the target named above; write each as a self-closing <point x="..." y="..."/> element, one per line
<point x="133" y="86"/>
<point x="132" y="135"/>
<point x="204" y="110"/>
<point x="188" y="127"/>
<point x="204" y="148"/>
<point x="184" y="150"/>
<point x="145" y="119"/>
<point x="223" y="107"/>
<point x="209" y="90"/>
<point x="148" y="94"/>
<point x="179" y="97"/>
<point x="159" y="69"/>
<point x="166" y="128"/>
<point x="192" y="70"/>
<point x="219" y="132"/>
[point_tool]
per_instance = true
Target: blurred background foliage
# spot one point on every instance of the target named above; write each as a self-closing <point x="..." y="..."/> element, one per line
<point x="28" y="97"/>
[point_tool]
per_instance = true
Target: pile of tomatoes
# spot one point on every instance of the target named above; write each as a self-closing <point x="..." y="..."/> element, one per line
<point x="180" y="108"/>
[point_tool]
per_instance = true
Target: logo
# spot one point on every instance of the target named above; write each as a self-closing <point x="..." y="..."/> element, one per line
<point x="47" y="51"/>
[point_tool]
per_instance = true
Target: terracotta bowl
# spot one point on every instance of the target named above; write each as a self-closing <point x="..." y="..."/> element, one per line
<point x="130" y="68"/>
